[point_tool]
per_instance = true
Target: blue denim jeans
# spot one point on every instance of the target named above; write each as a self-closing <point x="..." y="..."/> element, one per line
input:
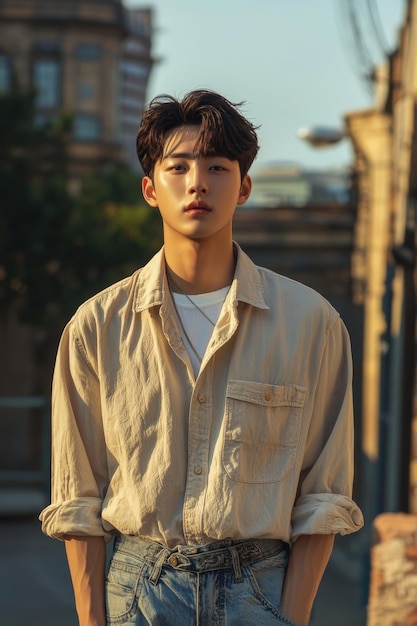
<point x="226" y="583"/>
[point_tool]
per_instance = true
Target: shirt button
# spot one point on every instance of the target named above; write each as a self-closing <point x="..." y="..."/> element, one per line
<point x="201" y="399"/>
<point x="197" y="470"/>
<point x="268" y="397"/>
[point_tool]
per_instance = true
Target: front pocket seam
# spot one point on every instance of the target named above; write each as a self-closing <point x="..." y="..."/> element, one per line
<point x="262" y="599"/>
<point x="133" y="590"/>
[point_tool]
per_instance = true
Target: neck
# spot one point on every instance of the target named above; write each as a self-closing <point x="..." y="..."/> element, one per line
<point x="196" y="267"/>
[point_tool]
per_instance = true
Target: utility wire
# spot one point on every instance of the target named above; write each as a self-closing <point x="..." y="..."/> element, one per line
<point x="362" y="34"/>
<point x="376" y="23"/>
<point x="364" y="59"/>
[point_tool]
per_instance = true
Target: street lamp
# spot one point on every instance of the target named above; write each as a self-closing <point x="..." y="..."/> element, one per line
<point x="321" y="136"/>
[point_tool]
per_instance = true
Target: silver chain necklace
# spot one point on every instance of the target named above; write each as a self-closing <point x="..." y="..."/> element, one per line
<point x="186" y="335"/>
<point x="195" y="305"/>
<point x="172" y="283"/>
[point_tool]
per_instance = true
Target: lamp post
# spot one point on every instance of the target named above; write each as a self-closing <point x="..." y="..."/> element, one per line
<point x="321" y="136"/>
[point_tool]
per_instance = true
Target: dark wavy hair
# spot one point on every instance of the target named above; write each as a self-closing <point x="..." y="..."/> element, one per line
<point x="224" y="131"/>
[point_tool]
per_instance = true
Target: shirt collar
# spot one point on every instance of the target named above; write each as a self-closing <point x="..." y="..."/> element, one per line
<point x="152" y="285"/>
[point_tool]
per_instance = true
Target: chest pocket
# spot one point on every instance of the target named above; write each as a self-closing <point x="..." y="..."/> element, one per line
<point x="262" y="429"/>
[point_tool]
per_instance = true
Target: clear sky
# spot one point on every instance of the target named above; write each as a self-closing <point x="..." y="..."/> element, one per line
<point x="289" y="60"/>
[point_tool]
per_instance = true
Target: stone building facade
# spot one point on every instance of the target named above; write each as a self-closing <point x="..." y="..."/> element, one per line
<point x="91" y="58"/>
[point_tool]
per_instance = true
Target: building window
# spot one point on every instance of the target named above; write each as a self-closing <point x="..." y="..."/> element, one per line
<point x="5" y="73"/>
<point x="88" y="51"/>
<point x="87" y="127"/>
<point x="47" y="82"/>
<point x="134" y="69"/>
<point x="85" y="91"/>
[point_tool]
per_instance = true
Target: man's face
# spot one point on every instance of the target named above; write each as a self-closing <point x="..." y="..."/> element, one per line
<point x="196" y="196"/>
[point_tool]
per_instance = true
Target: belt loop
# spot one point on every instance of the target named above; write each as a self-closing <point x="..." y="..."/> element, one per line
<point x="157" y="568"/>
<point x="236" y="564"/>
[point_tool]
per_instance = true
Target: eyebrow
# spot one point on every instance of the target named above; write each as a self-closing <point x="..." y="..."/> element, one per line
<point x="191" y="156"/>
<point x="179" y="155"/>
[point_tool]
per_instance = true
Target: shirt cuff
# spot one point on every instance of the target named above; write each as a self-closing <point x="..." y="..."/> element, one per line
<point x="325" y="514"/>
<point x="80" y="517"/>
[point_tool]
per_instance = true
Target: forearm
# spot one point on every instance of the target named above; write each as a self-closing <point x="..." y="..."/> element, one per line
<point x="86" y="559"/>
<point x="307" y="562"/>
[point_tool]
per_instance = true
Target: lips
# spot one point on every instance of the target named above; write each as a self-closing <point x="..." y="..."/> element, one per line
<point x="197" y="205"/>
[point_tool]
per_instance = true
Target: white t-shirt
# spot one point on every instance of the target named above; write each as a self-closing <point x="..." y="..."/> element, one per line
<point x="198" y="328"/>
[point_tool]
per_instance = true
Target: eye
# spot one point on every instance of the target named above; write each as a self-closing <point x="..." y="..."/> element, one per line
<point x="176" y="167"/>
<point x="217" y="168"/>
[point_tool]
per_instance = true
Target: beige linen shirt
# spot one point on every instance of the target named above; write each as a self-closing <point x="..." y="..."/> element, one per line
<point x="260" y="444"/>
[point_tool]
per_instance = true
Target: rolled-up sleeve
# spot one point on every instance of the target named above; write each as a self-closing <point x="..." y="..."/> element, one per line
<point x="324" y="504"/>
<point x="79" y="457"/>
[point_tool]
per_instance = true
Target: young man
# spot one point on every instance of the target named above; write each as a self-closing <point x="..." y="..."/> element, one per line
<point x="202" y="408"/>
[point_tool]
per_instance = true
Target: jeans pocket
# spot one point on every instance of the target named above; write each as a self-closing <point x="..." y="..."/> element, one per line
<point x="267" y="578"/>
<point x="121" y="591"/>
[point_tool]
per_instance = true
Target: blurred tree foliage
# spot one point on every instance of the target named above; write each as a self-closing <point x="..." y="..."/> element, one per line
<point x="56" y="247"/>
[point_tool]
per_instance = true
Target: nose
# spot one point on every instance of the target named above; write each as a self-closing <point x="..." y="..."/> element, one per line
<point x="197" y="179"/>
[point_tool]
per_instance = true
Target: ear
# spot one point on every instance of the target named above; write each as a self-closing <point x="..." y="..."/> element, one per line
<point x="148" y="191"/>
<point x="245" y="189"/>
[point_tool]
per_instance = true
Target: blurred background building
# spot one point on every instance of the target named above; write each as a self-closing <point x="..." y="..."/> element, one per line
<point x="384" y="282"/>
<point x="289" y="184"/>
<point x="383" y="270"/>
<point x="91" y="58"/>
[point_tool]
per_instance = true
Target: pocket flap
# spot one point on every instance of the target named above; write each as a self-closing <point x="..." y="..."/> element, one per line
<point x="265" y="394"/>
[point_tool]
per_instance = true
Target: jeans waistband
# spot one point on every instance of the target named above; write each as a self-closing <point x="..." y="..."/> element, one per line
<point x="199" y="559"/>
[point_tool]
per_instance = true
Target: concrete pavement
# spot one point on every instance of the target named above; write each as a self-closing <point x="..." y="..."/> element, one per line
<point x="35" y="587"/>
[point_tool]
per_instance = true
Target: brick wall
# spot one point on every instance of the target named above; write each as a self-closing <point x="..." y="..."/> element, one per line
<point x="393" y="586"/>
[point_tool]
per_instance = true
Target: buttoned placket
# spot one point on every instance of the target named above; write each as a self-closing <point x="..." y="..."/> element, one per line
<point x="199" y="428"/>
